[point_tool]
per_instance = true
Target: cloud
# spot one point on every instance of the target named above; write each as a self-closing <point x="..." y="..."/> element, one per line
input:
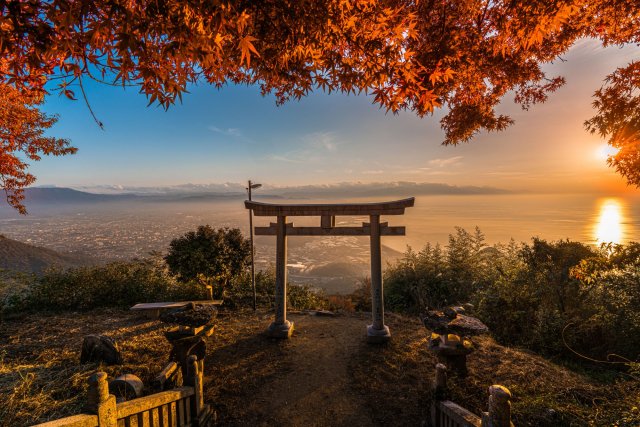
<point x="507" y="173"/>
<point x="285" y="158"/>
<point x="443" y="163"/>
<point x="232" y="132"/>
<point x="323" y="140"/>
<point x="373" y="172"/>
<point x="316" y="148"/>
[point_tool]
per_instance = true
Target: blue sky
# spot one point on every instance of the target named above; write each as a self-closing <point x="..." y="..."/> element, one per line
<point x="233" y="134"/>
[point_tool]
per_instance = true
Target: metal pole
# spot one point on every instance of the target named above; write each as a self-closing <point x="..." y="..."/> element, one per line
<point x="253" y="271"/>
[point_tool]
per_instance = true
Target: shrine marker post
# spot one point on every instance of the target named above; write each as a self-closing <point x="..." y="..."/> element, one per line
<point x="281" y="327"/>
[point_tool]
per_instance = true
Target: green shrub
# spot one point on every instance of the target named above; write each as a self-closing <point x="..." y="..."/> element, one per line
<point x="117" y="284"/>
<point x="551" y="297"/>
<point x="239" y="293"/>
<point x="14" y="287"/>
<point x="435" y="277"/>
<point x="304" y="297"/>
<point x="361" y="296"/>
<point x="300" y="297"/>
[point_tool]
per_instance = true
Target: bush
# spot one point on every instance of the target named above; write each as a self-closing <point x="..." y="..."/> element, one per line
<point x="361" y="296"/>
<point x="435" y="277"/>
<point x="212" y="257"/>
<point x="14" y="287"/>
<point x="118" y="284"/>
<point x="239" y="293"/>
<point x="299" y="297"/>
<point x="546" y="296"/>
<point x="534" y="296"/>
<point x="609" y="320"/>
<point x="304" y="297"/>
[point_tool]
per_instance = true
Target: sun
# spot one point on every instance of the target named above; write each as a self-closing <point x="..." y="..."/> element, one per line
<point x="604" y="151"/>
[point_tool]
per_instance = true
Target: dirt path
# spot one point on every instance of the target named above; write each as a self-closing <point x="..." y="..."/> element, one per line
<point x="310" y="384"/>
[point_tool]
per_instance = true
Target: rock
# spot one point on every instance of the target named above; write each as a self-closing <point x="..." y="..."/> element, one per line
<point x="326" y="313"/>
<point x="126" y="387"/>
<point x="190" y="315"/>
<point x="100" y="348"/>
<point x="460" y="324"/>
<point x="467" y="325"/>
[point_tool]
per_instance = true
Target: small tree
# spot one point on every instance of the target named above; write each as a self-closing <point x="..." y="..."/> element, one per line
<point x="209" y="256"/>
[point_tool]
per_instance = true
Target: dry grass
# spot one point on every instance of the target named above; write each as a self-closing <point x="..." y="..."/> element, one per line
<point x="544" y="394"/>
<point x="41" y="377"/>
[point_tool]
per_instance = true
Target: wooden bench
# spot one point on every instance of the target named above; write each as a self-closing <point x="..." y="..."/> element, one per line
<point x="153" y="309"/>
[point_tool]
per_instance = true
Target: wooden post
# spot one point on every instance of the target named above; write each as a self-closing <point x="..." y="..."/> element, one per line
<point x="440" y="383"/>
<point x="499" y="414"/>
<point x="281" y="327"/>
<point x="195" y="380"/>
<point x="253" y="271"/>
<point x="377" y="332"/>
<point x="439" y="392"/>
<point x="100" y="402"/>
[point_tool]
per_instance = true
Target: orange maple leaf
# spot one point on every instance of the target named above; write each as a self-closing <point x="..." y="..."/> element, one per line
<point x="246" y="47"/>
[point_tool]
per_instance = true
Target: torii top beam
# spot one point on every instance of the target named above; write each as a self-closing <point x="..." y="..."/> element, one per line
<point x="337" y="209"/>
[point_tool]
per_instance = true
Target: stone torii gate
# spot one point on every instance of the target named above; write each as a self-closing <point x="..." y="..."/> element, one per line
<point x="281" y="327"/>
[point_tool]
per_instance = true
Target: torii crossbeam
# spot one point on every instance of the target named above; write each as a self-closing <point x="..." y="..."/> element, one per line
<point x="281" y="327"/>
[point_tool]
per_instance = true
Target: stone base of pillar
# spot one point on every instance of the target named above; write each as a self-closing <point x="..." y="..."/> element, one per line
<point x="378" y="336"/>
<point x="280" y="330"/>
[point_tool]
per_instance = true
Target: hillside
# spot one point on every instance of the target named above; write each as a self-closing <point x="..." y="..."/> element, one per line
<point x="325" y="375"/>
<point x="18" y="256"/>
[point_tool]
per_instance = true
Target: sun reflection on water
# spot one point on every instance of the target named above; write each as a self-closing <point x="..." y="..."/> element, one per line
<point x="609" y="227"/>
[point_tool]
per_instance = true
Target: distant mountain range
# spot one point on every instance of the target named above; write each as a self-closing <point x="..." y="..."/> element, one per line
<point x="188" y="192"/>
<point x="18" y="256"/>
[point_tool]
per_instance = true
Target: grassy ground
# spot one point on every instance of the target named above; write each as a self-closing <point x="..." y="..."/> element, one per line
<point x="41" y="377"/>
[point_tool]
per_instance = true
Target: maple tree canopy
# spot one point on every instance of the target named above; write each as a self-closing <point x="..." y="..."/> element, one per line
<point x="418" y="55"/>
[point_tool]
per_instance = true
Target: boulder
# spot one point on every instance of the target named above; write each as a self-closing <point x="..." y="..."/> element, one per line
<point x="126" y="387"/>
<point x="100" y="349"/>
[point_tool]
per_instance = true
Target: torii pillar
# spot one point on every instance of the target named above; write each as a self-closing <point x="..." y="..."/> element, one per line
<point x="377" y="332"/>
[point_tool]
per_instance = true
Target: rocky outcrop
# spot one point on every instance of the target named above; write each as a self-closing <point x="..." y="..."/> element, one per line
<point x="101" y="349"/>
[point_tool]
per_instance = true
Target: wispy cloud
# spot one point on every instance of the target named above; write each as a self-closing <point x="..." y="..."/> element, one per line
<point x="231" y="132"/>
<point x="322" y="140"/>
<point x="316" y="147"/>
<point x="513" y="173"/>
<point x="285" y="158"/>
<point x="443" y="163"/>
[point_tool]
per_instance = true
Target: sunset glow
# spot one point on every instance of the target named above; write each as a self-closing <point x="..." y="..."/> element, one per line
<point x="609" y="226"/>
<point x="605" y="151"/>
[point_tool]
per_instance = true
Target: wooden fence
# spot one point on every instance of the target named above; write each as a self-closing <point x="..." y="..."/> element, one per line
<point x="445" y="413"/>
<point x="179" y="407"/>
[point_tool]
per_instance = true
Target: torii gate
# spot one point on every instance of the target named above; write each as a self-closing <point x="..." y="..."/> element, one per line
<point x="281" y="327"/>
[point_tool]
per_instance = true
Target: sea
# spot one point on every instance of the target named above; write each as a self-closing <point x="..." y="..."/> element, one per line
<point x="124" y="229"/>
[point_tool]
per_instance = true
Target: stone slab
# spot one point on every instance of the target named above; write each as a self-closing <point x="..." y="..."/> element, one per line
<point x="378" y="336"/>
<point x="153" y="310"/>
<point x="282" y="330"/>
